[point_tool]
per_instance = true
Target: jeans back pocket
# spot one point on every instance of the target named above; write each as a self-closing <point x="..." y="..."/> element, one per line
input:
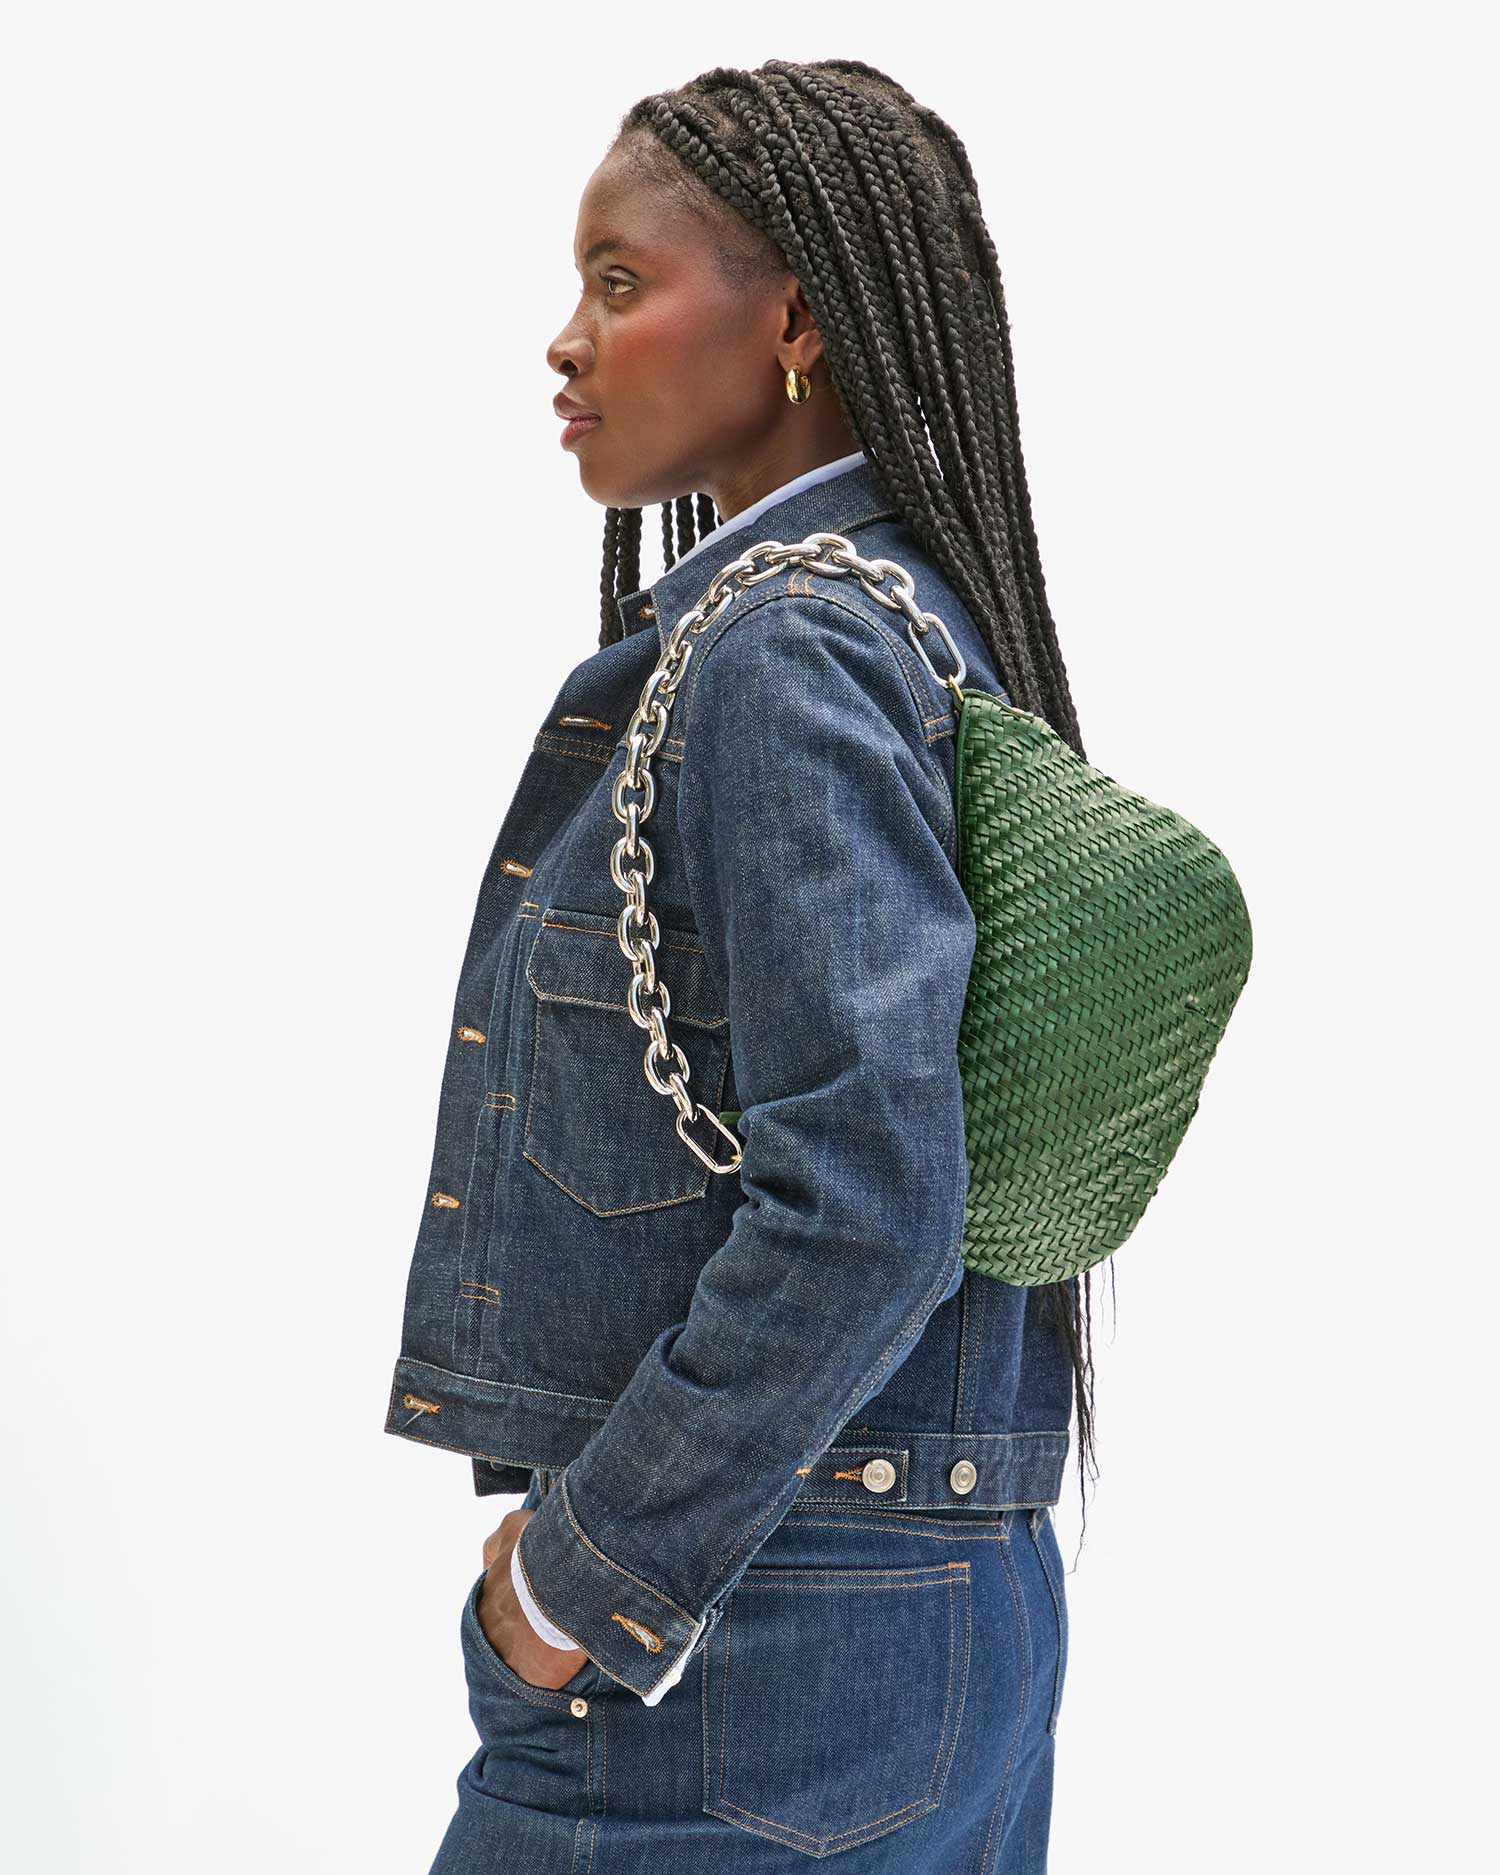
<point x="832" y="1700"/>
<point x="594" y="1124"/>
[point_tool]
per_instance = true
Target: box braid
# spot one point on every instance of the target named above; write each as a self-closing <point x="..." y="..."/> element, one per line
<point x="833" y="172"/>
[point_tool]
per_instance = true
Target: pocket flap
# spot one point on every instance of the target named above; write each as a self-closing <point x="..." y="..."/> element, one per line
<point x="576" y="958"/>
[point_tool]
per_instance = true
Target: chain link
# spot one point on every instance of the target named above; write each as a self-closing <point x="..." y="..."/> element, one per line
<point x="648" y="999"/>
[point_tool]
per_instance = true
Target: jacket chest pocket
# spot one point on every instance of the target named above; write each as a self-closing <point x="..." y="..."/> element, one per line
<point x="595" y="1125"/>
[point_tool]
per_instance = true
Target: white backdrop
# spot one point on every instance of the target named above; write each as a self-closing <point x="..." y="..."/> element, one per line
<point x="283" y="499"/>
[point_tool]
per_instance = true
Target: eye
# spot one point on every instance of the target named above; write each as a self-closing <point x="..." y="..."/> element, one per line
<point x="614" y="280"/>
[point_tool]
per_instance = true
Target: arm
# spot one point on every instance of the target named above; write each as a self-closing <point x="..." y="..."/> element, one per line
<point x="815" y="825"/>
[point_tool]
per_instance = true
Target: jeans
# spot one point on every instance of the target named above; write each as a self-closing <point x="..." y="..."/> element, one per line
<point x="884" y="1686"/>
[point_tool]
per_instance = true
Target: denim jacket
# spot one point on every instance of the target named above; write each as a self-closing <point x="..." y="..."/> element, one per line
<point x="686" y="1354"/>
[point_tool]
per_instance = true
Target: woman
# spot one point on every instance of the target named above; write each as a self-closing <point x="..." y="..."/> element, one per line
<point x="785" y="1567"/>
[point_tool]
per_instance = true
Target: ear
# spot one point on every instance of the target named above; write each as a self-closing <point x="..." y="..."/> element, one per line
<point x="801" y="341"/>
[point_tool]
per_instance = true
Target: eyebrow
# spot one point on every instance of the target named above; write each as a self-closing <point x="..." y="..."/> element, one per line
<point x="610" y="242"/>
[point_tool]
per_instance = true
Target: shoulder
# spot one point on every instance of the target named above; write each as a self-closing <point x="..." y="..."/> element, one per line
<point x="808" y="641"/>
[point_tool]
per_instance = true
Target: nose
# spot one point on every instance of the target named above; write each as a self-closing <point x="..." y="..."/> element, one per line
<point x="571" y="353"/>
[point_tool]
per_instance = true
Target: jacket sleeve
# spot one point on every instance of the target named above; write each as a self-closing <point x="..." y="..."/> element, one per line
<point x="816" y="826"/>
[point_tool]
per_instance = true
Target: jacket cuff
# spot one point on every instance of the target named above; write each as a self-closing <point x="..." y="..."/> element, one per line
<point x="639" y="1636"/>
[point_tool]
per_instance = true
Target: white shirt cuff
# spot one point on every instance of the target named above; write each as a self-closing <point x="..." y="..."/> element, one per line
<point x="650" y="1699"/>
<point x="553" y="1636"/>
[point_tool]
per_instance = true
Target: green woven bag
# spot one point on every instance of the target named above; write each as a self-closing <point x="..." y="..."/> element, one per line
<point x="1112" y="942"/>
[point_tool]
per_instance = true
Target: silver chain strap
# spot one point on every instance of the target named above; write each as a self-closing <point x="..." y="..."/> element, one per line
<point x="637" y="930"/>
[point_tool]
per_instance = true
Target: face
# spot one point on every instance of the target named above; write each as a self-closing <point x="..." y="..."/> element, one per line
<point x="685" y="372"/>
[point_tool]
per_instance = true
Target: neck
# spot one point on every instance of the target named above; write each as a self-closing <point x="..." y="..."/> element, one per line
<point x="806" y="442"/>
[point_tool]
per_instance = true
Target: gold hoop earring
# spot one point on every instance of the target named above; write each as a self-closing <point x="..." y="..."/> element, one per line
<point x="798" y="385"/>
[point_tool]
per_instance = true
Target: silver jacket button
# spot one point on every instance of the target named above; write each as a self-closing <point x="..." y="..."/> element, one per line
<point x="879" y="1475"/>
<point x="963" y="1476"/>
<point x="578" y="1707"/>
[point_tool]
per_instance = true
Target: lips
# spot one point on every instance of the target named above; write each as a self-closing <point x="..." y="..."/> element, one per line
<point x="578" y="424"/>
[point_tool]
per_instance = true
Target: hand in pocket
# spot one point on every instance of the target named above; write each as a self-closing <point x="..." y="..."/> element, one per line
<point x="505" y="1625"/>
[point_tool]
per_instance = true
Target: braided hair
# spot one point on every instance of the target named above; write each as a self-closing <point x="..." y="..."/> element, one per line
<point x="833" y="172"/>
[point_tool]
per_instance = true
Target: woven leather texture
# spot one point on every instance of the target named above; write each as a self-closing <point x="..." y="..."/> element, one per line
<point x="1112" y="944"/>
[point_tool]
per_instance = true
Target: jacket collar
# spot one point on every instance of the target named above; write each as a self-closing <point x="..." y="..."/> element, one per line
<point x="850" y="499"/>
